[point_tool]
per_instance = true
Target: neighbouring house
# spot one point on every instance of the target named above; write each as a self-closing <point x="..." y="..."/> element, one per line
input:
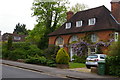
<point x="100" y="23"/>
<point x="15" y="37"/>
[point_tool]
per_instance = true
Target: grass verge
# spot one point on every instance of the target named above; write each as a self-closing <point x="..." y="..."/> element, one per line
<point x="76" y="65"/>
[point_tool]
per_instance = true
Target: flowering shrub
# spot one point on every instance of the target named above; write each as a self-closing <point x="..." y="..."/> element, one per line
<point x="81" y="48"/>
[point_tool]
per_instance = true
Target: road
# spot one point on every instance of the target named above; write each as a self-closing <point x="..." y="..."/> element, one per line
<point x="14" y="72"/>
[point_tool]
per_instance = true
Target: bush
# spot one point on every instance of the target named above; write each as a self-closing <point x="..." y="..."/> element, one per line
<point x="17" y="54"/>
<point x="51" y="63"/>
<point x="20" y="50"/>
<point x="113" y="65"/>
<point x="79" y="59"/>
<point x="51" y="51"/>
<point x="62" y="57"/>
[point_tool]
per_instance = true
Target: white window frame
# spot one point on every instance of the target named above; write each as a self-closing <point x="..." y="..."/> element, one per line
<point x="17" y="38"/>
<point x="59" y="41"/>
<point x="68" y="25"/>
<point x="73" y="38"/>
<point x="94" y="38"/>
<point x="92" y="21"/>
<point x="116" y="35"/>
<point x="79" y="23"/>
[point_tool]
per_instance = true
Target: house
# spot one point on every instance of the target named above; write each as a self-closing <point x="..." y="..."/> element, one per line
<point x="100" y="23"/>
<point x="15" y="37"/>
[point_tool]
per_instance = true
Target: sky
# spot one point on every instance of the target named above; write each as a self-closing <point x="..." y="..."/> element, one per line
<point x="13" y="12"/>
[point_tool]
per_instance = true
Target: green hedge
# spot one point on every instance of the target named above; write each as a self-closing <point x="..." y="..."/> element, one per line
<point x="113" y="65"/>
<point x="20" y="50"/>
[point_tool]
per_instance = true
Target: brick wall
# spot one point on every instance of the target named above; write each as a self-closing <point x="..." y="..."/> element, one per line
<point x="103" y="35"/>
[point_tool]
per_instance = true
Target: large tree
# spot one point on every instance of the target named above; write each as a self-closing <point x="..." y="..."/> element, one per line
<point x="20" y="29"/>
<point x="50" y="15"/>
<point x="78" y="7"/>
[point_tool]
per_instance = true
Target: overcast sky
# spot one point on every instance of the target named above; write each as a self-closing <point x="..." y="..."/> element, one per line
<point x="19" y="11"/>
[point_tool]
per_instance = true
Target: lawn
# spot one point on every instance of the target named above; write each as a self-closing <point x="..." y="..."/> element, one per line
<point x="76" y="65"/>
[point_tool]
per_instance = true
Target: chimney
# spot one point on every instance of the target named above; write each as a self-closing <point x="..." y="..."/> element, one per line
<point x="69" y="15"/>
<point x="115" y="9"/>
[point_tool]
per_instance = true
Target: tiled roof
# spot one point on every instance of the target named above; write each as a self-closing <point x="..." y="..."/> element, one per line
<point x="104" y="21"/>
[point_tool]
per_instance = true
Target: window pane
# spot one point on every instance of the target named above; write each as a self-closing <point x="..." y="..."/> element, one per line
<point x="68" y="25"/>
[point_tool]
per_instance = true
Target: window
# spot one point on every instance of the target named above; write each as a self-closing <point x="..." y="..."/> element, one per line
<point x="102" y="56"/>
<point x="79" y="23"/>
<point x="68" y="25"/>
<point x="59" y="41"/>
<point x="73" y="38"/>
<point x="92" y="21"/>
<point x="17" y="38"/>
<point x="116" y="36"/>
<point x="94" y="38"/>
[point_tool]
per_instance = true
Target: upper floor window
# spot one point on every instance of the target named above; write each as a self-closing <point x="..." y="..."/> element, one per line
<point x="68" y="25"/>
<point x="116" y="36"/>
<point x="94" y="38"/>
<point x="79" y="23"/>
<point x="92" y="21"/>
<point x="73" y="38"/>
<point x="59" y="41"/>
<point x="17" y="38"/>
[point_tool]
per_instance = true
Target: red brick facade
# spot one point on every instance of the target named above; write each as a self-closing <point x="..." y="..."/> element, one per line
<point x="102" y="35"/>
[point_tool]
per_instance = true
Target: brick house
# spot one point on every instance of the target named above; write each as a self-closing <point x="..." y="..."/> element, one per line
<point x="15" y="37"/>
<point x="99" y="22"/>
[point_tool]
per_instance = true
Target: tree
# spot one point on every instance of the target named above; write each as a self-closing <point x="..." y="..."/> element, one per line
<point x="20" y="29"/>
<point x="50" y="15"/>
<point x="78" y="7"/>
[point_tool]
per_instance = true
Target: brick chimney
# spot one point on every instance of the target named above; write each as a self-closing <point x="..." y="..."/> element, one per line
<point x="115" y="9"/>
<point x="69" y="15"/>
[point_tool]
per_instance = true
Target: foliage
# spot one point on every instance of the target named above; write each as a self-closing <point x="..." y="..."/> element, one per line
<point x="79" y="59"/>
<point x="114" y="49"/>
<point x="80" y="48"/>
<point x="40" y="60"/>
<point x="113" y="60"/>
<point x="20" y="50"/>
<point x="51" y="51"/>
<point x="78" y="7"/>
<point x="16" y="54"/>
<point x="20" y="29"/>
<point x="113" y="65"/>
<point x="62" y="57"/>
<point x="9" y="44"/>
<point x="50" y="15"/>
<point x="76" y="65"/>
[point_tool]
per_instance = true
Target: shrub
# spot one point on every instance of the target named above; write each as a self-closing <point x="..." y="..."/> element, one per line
<point x="113" y="59"/>
<point x="79" y="59"/>
<point x="62" y="57"/>
<point x="51" y="63"/>
<point x="113" y="65"/>
<point x="17" y="54"/>
<point x="51" y="51"/>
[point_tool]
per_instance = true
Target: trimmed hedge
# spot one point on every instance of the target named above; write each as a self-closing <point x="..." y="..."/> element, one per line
<point x="62" y="57"/>
<point x="113" y="65"/>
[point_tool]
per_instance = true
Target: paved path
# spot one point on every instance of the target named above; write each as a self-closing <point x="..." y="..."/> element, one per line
<point x="55" y="71"/>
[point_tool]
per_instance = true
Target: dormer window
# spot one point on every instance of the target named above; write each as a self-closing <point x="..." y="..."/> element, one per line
<point x="92" y="21"/>
<point x="68" y="25"/>
<point x="79" y="23"/>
